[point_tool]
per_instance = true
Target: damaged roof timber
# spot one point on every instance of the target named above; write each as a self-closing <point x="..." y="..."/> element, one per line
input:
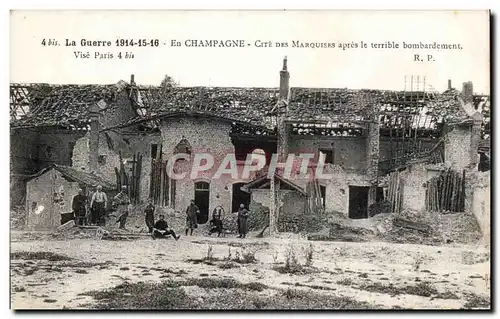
<point x="68" y="106"/>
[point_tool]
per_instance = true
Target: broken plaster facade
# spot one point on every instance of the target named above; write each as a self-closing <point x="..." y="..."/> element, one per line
<point x="47" y="197"/>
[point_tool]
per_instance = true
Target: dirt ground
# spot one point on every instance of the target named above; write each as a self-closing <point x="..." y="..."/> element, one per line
<point x="376" y="274"/>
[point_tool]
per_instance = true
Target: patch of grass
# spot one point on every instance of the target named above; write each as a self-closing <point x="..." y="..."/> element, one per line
<point x="170" y="295"/>
<point x="18" y="289"/>
<point x="475" y="301"/>
<point x="446" y="295"/>
<point x="247" y="257"/>
<point x="292" y="265"/>
<point x="30" y="271"/>
<point x="298" y="284"/>
<point x="423" y="289"/>
<point x="49" y="300"/>
<point x="141" y="296"/>
<point x="228" y="265"/>
<point x="213" y="283"/>
<point x="345" y="282"/>
<point x="298" y="299"/>
<point x="39" y="255"/>
<point x="471" y="257"/>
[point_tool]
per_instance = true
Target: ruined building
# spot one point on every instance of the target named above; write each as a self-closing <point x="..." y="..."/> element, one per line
<point x="125" y="133"/>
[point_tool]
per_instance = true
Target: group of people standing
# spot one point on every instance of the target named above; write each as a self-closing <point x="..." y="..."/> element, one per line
<point x="91" y="210"/>
<point x="160" y="229"/>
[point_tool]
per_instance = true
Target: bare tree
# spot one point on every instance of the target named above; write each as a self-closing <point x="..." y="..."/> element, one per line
<point x="168" y="82"/>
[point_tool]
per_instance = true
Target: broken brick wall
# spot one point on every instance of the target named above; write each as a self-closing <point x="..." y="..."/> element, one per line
<point x="337" y="188"/>
<point x="110" y="147"/>
<point x="23" y="156"/>
<point x="32" y="150"/>
<point x="117" y="112"/>
<point x="388" y="149"/>
<point x="348" y="152"/>
<point x="457" y="149"/>
<point x="203" y="135"/>
<point x="57" y="147"/>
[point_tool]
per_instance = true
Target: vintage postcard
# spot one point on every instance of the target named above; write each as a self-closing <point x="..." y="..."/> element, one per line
<point x="166" y="160"/>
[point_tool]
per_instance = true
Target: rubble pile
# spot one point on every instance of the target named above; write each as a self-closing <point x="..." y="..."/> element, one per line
<point x="408" y="227"/>
<point x="432" y="228"/>
<point x="459" y="228"/>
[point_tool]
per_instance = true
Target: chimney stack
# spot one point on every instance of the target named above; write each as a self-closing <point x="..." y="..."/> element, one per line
<point x="284" y="81"/>
<point x="467" y="92"/>
<point x="132" y="79"/>
<point x="449" y="84"/>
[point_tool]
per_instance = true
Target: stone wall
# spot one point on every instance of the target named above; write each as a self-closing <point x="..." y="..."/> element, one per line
<point x="348" y="152"/>
<point x="33" y="150"/>
<point x="481" y="203"/>
<point x="413" y="180"/>
<point x="204" y="136"/>
<point x="337" y="188"/>
<point x="110" y="146"/>
<point x="47" y="196"/>
<point x="457" y="149"/>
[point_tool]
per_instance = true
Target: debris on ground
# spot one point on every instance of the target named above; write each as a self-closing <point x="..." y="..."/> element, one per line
<point x="411" y="227"/>
<point x="66" y="226"/>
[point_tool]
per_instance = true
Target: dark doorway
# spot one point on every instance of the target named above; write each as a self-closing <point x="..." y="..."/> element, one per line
<point x="239" y="197"/>
<point x="322" y="190"/>
<point x="358" y="202"/>
<point x="202" y="200"/>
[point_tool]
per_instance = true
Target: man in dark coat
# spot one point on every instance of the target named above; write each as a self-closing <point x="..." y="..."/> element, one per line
<point x="149" y="212"/>
<point x="216" y="221"/>
<point x="192" y="212"/>
<point x="79" y="209"/>
<point x="122" y="203"/>
<point x="242" y="221"/>
<point x="161" y="229"/>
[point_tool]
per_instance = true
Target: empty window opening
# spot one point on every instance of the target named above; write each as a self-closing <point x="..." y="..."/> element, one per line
<point x="327" y="154"/>
<point x="154" y="150"/>
<point x="183" y="147"/>
<point x="101" y="159"/>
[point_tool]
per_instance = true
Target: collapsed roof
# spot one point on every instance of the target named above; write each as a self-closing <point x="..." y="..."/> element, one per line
<point x="80" y="177"/>
<point x="68" y="106"/>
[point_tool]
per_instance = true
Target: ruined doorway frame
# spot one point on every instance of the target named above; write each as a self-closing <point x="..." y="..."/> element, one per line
<point x="235" y="205"/>
<point x="362" y="210"/>
<point x="202" y="199"/>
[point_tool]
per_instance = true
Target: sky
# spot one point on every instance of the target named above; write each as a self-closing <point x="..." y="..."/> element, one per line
<point x="251" y="66"/>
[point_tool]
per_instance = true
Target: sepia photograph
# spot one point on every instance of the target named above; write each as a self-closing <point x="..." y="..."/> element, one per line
<point x="250" y="160"/>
